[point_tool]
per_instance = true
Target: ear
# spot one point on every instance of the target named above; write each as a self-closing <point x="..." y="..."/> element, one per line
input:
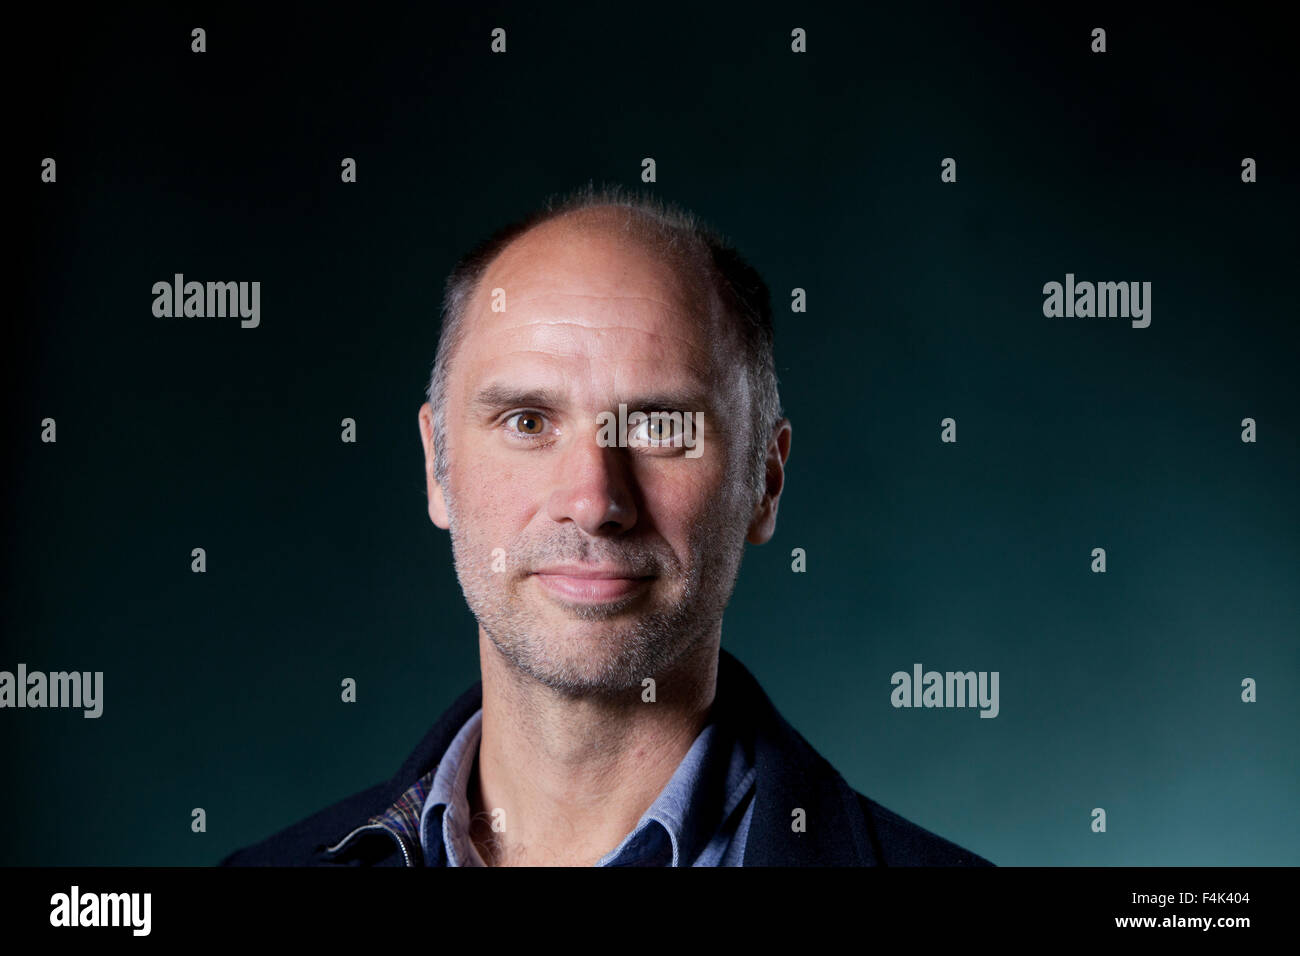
<point x="763" y="524"/>
<point x="437" y="504"/>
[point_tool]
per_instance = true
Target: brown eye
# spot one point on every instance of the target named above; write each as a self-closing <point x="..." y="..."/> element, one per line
<point x="528" y="423"/>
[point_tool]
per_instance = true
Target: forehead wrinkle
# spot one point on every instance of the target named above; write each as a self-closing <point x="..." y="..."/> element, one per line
<point x="549" y="323"/>
<point x="696" y="351"/>
<point x="701" y="373"/>
<point x="685" y="318"/>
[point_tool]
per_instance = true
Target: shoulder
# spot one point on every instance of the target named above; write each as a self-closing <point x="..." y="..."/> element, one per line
<point x="301" y="843"/>
<point x="852" y="829"/>
<point x="900" y="842"/>
<point x="297" y="845"/>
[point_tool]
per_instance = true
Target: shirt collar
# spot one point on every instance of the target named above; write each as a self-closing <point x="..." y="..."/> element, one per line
<point x="446" y="807"/>
<point x="687" y="811"/>
<point x="707" y="786"/>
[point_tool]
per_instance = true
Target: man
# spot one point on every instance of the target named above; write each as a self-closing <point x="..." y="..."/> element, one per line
<point x="603" y="435"/>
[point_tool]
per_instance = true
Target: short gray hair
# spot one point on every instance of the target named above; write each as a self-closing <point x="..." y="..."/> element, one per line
<point x="741" y="290"/>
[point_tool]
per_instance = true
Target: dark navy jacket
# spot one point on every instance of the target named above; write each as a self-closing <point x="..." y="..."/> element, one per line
<point x="841" y="826"/>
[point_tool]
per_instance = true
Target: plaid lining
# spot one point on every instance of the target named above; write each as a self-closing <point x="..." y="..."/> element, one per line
<point x="403" y="817"/>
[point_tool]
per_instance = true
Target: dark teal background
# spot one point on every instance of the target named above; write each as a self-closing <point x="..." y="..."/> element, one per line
<point x="1119" y="690"/>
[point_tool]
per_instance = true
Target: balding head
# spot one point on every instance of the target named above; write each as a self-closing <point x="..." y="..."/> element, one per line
<point x="727" y="295"/>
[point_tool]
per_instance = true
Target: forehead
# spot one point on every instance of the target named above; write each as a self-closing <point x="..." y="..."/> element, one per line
<point x="594" y="304"/>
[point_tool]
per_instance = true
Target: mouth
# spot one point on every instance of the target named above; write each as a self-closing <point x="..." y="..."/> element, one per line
<point x="589" y="584"/>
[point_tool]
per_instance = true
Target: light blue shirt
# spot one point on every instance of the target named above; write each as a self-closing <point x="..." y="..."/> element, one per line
<point x="701" y="818"/>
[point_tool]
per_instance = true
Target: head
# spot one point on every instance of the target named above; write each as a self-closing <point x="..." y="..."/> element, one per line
<point x="549" y="326"/>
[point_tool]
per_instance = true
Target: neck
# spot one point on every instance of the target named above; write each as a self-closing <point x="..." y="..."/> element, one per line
<point x="574" y="775"/>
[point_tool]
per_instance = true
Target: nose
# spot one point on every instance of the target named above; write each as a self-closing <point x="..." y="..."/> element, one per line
<point x="594" y="488"/>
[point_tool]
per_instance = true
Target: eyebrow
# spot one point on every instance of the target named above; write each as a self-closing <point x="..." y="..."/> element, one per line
<point x="495" y="397"/>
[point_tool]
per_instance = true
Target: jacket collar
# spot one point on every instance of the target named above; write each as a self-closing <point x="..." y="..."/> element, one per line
<point x="791" y="777"/>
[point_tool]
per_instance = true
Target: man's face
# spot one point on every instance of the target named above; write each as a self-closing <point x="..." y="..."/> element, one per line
<point x="590" y="567"/>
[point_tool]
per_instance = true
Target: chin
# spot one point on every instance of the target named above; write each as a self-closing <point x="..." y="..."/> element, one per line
<point x="586" y="678"/>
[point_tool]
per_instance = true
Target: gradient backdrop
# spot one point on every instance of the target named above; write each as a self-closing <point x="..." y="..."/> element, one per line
<point x="1118" y="690"/>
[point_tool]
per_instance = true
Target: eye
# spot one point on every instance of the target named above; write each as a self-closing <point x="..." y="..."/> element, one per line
<point x="527" y="423"/>
<point x="659" y="428"/>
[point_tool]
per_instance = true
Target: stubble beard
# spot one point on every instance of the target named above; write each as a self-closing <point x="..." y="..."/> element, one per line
<point x="613" y="647"/>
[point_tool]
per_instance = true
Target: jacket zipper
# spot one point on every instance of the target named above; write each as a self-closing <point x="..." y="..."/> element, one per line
<point x="375" y="826"/>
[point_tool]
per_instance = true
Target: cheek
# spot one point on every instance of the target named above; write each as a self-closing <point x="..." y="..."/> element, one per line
<point x="683" y="495"/>
<point x="497" y="501"/>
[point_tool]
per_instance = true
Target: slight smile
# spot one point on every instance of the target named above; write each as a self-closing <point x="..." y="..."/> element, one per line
<point x="590" y="584"/>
